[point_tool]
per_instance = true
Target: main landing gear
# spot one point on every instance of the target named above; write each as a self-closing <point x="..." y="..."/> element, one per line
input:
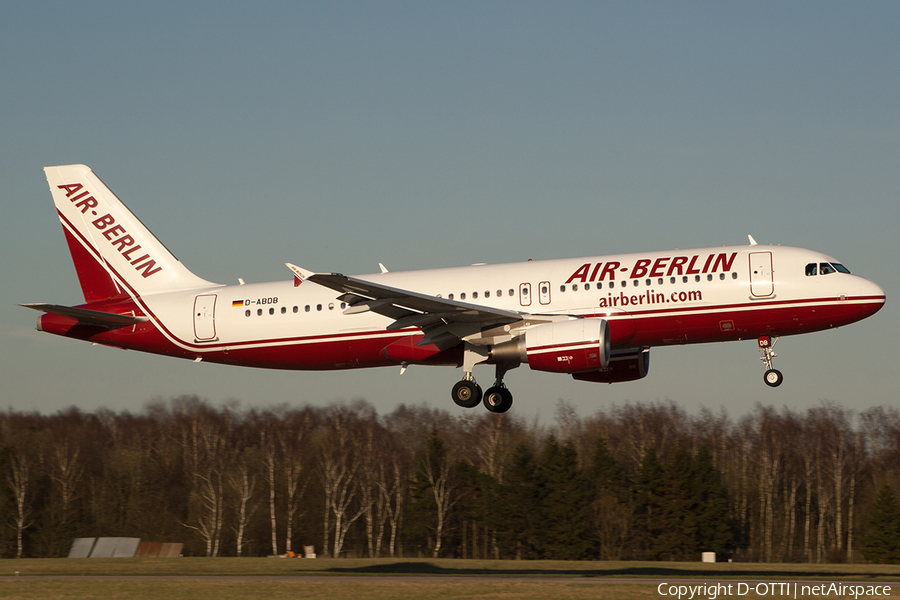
<point x="772" y="377"/>
<point x="497" y="399"/>
<point x="467" y="393"/>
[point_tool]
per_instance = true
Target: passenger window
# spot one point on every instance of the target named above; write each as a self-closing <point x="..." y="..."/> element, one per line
<point x="259" y="312"/>
<point x="283" y="309"/>
<point x="684" y="279"/>
<point x="343" y="305"/>
<point x="318" y="307"/>
<point x="512" y="292"/>
<point x="562" y="288"/>
<point x="599" y="285"/>
<point x="487" y="293"/>
<point x="296" y="309"/>
<point x="306" y="308"/>
<point x="649" y="282"/>
<point x="474" y="295"/>
<point x="709" y="277"/>
<point x="696" y="278"/>
<point x="331" y="306"/>
<point x="721" y="276"/>
<point x="671" y="280"/>
<point x="574" y="287"/>
<point x="587" y="286"/>
<point x="271" y="311"/>
<point x="659" y="281"/>
<point x="734" y="275"/>
<point x="462" y="296"/>
<point x="450" y="296"/>
<point x="826" y="269"/>
<point x="246" y="313"/>
<point x="810" y="269"/>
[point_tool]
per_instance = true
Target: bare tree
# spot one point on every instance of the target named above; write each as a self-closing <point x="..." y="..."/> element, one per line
<point x="242" y="482"/>
<point x="339" y="465"/>
<point x="206" y="437"/>
<point x="66" y="471"/>
<point x="437" y="466"/>
<point x="371" y="483"/>
<point x="292" y="436"/>
<point x="18" y="478"/>
<point x="393" y="484"/>
<point x="269" y="451"/>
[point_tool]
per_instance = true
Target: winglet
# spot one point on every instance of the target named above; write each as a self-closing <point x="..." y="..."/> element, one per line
<point x="752" y="241"/>
<point x="300" y="274"/>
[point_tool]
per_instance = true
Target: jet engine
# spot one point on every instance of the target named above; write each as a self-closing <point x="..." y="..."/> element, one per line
<point x="624" y="365"/>
<point x="570" y="346"/>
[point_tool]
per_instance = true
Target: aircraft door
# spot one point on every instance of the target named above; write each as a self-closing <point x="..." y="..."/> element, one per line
<point x="205" y="318"/>
<point x="762" y="280"/>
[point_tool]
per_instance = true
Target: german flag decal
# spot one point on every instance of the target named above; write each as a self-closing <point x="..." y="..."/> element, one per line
<point x="236" y="303"/>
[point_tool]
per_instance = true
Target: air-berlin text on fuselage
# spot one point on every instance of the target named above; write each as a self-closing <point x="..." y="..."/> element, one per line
<point x="114" y="233"/>
<point x="660" y="267"/>
<point x="649" y="297"/>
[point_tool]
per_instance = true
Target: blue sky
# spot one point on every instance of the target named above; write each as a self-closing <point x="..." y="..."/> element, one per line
<point x="336" y="135"/>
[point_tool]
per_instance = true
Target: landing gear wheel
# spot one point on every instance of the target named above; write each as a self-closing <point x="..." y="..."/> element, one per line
<point x="466" y="393"/>
<point x="773" y="377"/>
<point x="498" y="399"/>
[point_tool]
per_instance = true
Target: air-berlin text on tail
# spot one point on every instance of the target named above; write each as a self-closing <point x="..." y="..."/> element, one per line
<point x="114" y="233"/>
<point x="661" y="267"/>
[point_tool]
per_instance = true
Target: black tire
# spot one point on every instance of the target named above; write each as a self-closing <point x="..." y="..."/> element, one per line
<point x="466" y="394"/>
<point x="498" y="399"/>
<point x="773" y="377"/>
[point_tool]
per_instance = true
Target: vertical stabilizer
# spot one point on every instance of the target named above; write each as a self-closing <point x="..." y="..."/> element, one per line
<point x="114" y="253"/>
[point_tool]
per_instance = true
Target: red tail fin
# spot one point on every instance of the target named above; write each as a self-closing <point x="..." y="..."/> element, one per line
<point x="96" y="283"/>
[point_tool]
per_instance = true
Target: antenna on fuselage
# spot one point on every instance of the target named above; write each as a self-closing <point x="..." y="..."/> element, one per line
<point x="752" y="241"/>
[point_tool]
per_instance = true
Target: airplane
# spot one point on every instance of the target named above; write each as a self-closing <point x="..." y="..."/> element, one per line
<point x="594" y="318"/>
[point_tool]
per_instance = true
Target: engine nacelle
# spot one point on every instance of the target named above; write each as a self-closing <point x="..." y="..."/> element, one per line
<point x="623" y="366"/>
<point x="570" y="346"/>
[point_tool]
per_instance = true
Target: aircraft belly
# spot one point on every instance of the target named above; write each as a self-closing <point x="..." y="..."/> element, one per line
<point x="747" y="322"/>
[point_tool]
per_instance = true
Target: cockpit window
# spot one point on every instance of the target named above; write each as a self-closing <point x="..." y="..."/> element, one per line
<point x="826" y="269"/>
<point x="811" y="269"/>
<point x="841" y="268"/>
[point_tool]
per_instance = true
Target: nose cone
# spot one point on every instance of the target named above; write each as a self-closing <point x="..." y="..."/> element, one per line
<point x="870" y="298"/>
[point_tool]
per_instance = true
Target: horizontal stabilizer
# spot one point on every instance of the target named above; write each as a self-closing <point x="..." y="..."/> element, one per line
<point x="92" y="317"/>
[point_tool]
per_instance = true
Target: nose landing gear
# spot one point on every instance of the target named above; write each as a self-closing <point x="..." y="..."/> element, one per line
<point x="772" y="376"/>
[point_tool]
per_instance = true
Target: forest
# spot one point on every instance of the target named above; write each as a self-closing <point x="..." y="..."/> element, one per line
<point x="638" y="481"/>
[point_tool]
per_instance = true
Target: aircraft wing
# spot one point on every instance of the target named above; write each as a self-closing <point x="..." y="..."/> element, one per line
<point x="92" y="317"/>
<point x="443" y="321"/>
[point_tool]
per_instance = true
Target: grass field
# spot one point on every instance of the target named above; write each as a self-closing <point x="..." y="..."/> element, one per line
<point x="273" y="579"/>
